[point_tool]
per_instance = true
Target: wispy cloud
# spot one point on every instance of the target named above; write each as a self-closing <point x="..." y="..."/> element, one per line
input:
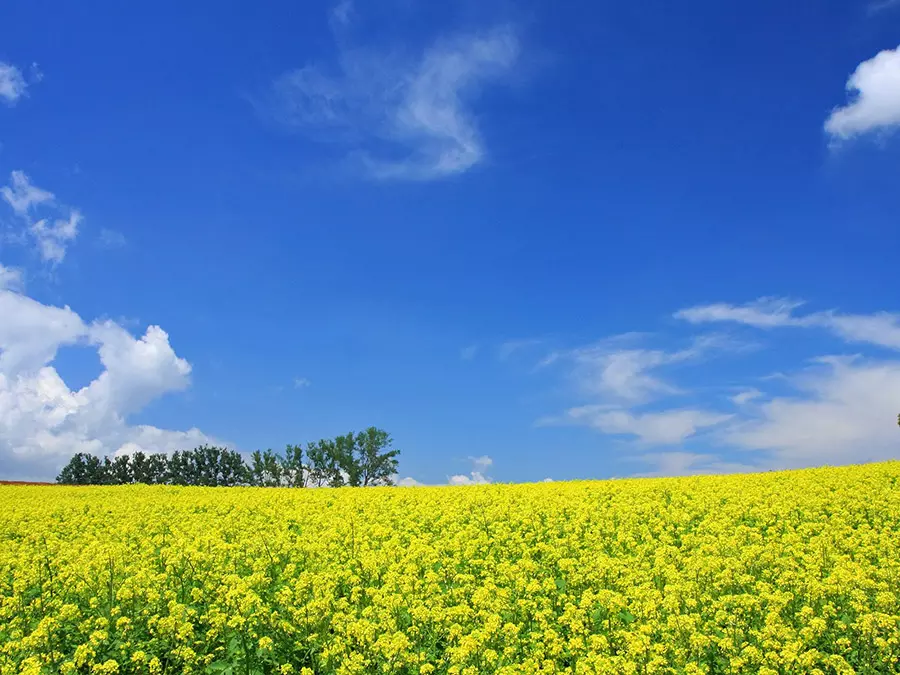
<point x="510" y="347"/>
<point x="111" y="239"/>
<point x="468" y="353"/>
<point x="12" y="84"/>
<point x="301" y="383"/>
<point x="883" y="5"/>
<point x="53" y="233"/>
<point x="616" y="369"/>
<point x="875" y="87"/>
<point x="840" y="409"/>
<point x="845" y="410"/>
<point x="668" y="427"/>
<point x="398" y="117"/>
<point x="22" y="196"/>
<point x="881" y="328"/>
<point x="679" y="463"/>
<point x="746" y="396"/>
<point x="10" y="278"/>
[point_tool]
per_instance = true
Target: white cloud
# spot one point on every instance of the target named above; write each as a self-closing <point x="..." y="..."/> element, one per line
<point x="52" y="240"/>
<point x="341" y="14"/>
<point x="688" y="464"/>
<point x="468" y="353"/>
<point x="744" y="397"/>
<point x="10" y="278"/>
<point x="845" y="411"/>
<point x="111" y="239"/>
<point x="482" y="463"/>
<point x="43" y="422"/>
<point x="407" y="482"/>
<point x="12" y="84"/>
<point x="623" y="374"/>
<point x="22" y="196"/>
<point x="762" y="313"/>
<point x="52" y="235"/>
<point x="876" y="7"/>
<point x="474" y="478"/>
<point x="31" y="332"/>
<point x="669" y="427"/>
<point x="881" y="328"/>
<point x="875" y="85"/>
<point x="510" y="347"/>
<point x="478" y="474"/>
<point x="626" y="374"/>
<point x="301" y="383"/>
<point x="415" y="110"/>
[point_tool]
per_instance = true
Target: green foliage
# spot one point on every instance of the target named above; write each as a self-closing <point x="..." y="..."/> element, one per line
<point x="357" y="460"/>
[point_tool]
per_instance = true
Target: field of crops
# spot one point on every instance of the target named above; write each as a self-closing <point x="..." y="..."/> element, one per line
<point x="792" y="572"/>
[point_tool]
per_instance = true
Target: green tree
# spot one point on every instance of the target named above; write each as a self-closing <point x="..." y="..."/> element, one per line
<point x="358" y="460"/>
<point x="82" y="469"/>
<point x="120" y="470"/>
<point x="323" y="466"/>
<point x="266" y="469"/>
<point x="374" y="460"/>
<point x="293" y="471"/>
<point x="157" y="468"/>
<point x="179" y="469"/>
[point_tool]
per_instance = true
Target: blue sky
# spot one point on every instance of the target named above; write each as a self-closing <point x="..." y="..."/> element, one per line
<point x="529" y="239"/>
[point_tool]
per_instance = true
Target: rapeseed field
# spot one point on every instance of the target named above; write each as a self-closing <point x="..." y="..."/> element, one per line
<point x="774" y="573"/>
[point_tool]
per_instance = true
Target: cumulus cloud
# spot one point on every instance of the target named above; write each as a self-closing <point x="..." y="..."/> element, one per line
<point x="477" y="476"/>
<point x="43" y="422"/>
<point x="52" y="234"/>
<point x="407" y="118"/>
<point x="881" y="328"/>
<point x="875" y="87"/>
<point x="474" y="478"/>
<point x="12" y="85"/>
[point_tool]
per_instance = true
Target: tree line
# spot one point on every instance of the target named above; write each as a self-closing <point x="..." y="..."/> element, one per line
<point x="354" y="459"/>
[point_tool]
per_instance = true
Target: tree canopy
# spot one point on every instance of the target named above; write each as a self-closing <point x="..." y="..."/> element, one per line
<point x="359" y="459"/>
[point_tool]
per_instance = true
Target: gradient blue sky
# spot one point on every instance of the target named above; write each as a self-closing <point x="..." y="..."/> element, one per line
<point x="530" y="239"/>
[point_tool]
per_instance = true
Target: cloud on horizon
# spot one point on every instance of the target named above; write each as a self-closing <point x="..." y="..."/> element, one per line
<point x="43" y="422"/>
<point x="832" y="409"/>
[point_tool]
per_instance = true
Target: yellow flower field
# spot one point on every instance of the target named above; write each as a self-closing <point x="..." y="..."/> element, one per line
<point x="790" y="572"/>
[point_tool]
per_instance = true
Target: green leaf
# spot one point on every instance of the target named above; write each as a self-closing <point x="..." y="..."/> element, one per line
<point x="626" y="617"/>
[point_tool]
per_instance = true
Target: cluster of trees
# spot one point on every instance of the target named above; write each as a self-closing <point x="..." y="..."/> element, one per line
<point x="357" y="460"/>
